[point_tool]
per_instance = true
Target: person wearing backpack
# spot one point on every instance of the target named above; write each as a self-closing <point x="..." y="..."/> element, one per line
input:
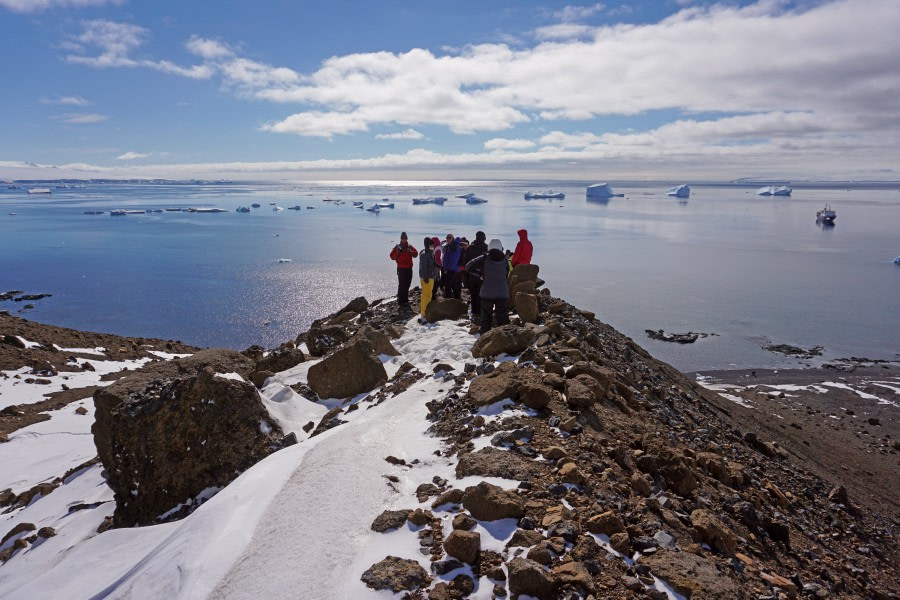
<point x="473" y="280"/>
<point x="494" y="269"/>
<point x="403" y="254"/>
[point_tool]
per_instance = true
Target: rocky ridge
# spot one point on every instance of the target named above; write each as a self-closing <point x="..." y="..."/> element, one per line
<point x="626" y="479"/>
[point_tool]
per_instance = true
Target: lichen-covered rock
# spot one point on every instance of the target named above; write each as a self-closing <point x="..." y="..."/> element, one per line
<point x="491" y="462"/>
<point x="352" y="370"/>
<point x="168" y="432"/>
<point x="527" y="307"/>
<point x="692" y="576"/>
<point x="502" y="382"/>
<point x="396" y="574"/>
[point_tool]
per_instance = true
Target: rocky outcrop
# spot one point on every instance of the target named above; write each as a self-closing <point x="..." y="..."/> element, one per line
<point x="167" y="433"/>
<point x="351" y="370"/>
<point x="488" y="502"/>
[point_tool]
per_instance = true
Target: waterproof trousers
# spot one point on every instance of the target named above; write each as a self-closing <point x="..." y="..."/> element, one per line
<point x="404" y="280"/>
<point x="427" y="287"/>
<point x="494" y="306"/>
<point x="475" y="294"/>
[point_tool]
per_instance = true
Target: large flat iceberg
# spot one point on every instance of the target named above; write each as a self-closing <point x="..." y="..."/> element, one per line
<point x="601" y="190"/>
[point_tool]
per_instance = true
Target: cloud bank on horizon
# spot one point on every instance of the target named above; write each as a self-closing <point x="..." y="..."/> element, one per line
<point x="709" y="89"/>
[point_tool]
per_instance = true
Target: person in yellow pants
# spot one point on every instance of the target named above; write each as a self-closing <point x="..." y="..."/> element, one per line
<point x="427" y="275"/>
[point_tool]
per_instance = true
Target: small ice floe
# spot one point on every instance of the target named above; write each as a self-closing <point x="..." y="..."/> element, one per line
<point x="896" y="260"/>
<point x="284" y="260"/>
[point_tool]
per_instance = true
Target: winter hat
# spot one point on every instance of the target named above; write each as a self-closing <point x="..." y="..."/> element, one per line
<point x="403" y="235"/>
<point x="495" y="245"/>
<point x="480" y="237"/>
<point x="428" y="243"/>
<point x="463" y="241"/>
<point x="435" y="241"/>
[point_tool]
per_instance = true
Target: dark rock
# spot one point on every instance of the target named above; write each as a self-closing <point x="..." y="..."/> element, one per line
<point x="528" y="577"/>
<point x="442" y="567"/>
<point x="535" y="396"/>
<point x="396" y="574"/>
<point x="352" y="370"/>
<point x="441" y="309"/>
<point x="508" y="339"/>
<point x="502" y="382"/>
<point x="491" y="462"/>
<point x="281" y="359"/>
<point x="168" y="432"/>
<point x="487" y="502"/>
<point x="390" y="519"/>
<point x="713" y="531"/>
<point x="464" y="545"/>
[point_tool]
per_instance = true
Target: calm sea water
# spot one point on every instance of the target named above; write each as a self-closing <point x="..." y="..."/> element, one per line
<point x="752" y="270"/>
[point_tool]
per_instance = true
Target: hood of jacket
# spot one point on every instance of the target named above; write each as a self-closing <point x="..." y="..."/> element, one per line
<point x="523" y="235"/>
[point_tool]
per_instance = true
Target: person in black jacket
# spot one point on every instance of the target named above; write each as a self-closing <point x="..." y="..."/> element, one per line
<point x="494" y="268"/>
<point x="473" y="280"/>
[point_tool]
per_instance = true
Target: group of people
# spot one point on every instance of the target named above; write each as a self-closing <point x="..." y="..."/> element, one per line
<point x="481" y="267"/>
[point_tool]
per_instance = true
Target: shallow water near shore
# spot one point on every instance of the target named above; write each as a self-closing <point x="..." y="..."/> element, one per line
<point x="749" y="269"/>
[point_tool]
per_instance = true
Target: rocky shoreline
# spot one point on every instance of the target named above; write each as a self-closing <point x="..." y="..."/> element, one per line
<point x="634" y="480"/>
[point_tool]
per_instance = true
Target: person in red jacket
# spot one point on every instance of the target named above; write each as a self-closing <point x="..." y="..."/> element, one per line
<point x="522" y="255"/>
<point x="403" y="254"/>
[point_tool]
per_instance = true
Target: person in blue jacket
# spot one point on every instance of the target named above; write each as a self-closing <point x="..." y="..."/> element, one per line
<point x="451" y="256"/>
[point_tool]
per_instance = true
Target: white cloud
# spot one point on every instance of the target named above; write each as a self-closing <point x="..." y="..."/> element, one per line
<point x="66" y="101"/>
<point x="29" y="6"/>
<point x="208" y="49"/>
<point x="114" y="44"/>
<point x="569" y="140"/>
<point x="133" y="155"/>
<point x="503" y="144"/>
<point x="409" y="134"/>
<point x="578" y="13"/>
<point x="564" y="31"/>
<point x="80" y="118"/>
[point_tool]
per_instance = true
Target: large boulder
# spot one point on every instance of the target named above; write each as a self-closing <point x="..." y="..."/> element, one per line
<point x="713" y="531"/>
<point x="381" y="342"/>
<point x="396" y="574"/>
<point x="491" y="462"/>
<point x="529" y="578"/>
<point x="441" y="309"/>
<point x="691" y="575"/>
<point x="170" y="431"/>
<point x="487" y="502"/>
<point x="281" y="359"/>
<point x="502" y="382"/>
<point x="352" y="370"/>
<point x="324" y="336"/>
<point x="527" y="307"/>
<point x="508" y="339"/>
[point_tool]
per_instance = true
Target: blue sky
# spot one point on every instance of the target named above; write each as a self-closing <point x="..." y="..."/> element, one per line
<point x="417" y="90"/>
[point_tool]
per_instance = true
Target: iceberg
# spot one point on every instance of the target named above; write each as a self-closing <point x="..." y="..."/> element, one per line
<point x="601" y="190"/>
<point x="679" y="191"/>
<point x="771" y="190"/>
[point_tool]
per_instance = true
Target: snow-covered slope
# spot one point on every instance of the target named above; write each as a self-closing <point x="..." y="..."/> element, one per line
<point x="298" y="520"/>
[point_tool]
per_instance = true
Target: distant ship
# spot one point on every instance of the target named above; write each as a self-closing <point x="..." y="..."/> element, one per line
<point x="826" y="216"/>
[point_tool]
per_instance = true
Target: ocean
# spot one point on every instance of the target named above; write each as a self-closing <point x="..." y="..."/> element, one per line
<point x="751" y="270"/>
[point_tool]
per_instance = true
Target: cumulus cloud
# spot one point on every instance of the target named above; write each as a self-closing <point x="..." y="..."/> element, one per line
<point x="503" y="144"/>
<point x="564" y="31"/>
<point x="409" y="134"/>
<point x="133" y="155"/>
<point x="30" y="6"/>
<point x="80" y="118"/>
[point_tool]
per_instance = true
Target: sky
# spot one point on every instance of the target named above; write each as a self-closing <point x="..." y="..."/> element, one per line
<point x="493" y="89"/>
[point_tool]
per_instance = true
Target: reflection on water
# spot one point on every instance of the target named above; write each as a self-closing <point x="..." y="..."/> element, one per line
<point x="750" y="269"/>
